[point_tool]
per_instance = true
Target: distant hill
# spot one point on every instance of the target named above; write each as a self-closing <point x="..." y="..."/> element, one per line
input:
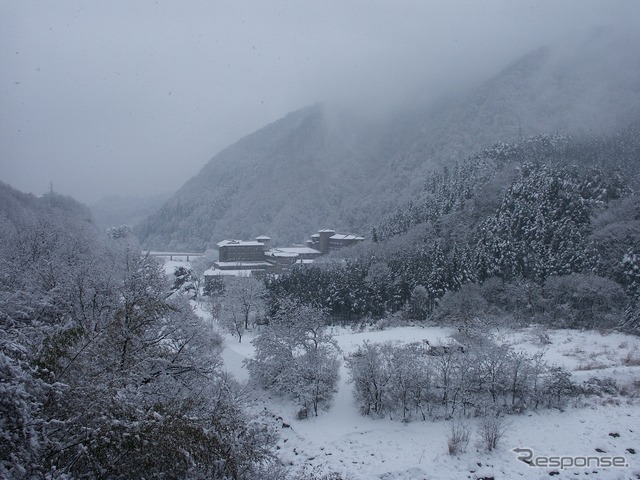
<point x="16" y="206"/>
<point x="318" y="168"/>
<point x="115" y="211"/>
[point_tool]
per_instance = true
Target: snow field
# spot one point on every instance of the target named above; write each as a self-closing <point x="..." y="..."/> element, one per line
<point x="359" y="447"/>
<point x="363" y="448"/>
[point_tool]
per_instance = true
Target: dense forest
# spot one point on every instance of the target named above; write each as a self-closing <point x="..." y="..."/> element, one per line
<point x="545" y="230"/>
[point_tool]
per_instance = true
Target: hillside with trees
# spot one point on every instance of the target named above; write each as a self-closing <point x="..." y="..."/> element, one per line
<point x="542" y="230"/>
<point x="105" y="373"/>
<point x="322" y="166"/>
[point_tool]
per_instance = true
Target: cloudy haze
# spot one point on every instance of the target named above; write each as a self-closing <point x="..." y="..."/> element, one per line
<point x="133" y="98"/>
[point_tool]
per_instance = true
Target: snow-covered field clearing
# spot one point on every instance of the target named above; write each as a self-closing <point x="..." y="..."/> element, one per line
<point x="359" y="447"/>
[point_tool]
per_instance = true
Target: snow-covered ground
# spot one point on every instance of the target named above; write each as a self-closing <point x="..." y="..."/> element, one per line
<point x="362" y="448"/>
<point x="170" y="266"/>
<point x="342" y="440"/>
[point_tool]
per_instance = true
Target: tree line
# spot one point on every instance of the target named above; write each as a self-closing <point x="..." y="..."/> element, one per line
<point x="419" y="381"/>
<point x="545" y="211"/>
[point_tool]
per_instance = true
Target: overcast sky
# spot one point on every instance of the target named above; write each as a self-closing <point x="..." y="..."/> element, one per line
<point x="134" y="97"/>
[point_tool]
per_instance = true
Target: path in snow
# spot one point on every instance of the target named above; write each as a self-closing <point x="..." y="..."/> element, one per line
<point x="233" y="362"/>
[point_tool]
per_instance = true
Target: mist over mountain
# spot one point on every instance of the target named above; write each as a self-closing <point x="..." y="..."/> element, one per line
<point x="115" y="211"/>
<point x="589" y="86"/>
<point x="16" y="206"/>
<point x="326" y="167"/>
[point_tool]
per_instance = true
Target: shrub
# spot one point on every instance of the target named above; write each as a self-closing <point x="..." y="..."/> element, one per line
<point x="491" y="430"/>
<point x="458" y="438"/>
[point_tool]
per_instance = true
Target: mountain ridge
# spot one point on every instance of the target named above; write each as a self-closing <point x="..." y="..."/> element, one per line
<point x="319" y="167"/>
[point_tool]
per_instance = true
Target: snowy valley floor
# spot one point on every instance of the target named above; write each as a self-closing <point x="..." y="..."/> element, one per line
<point x="363" y="448"/>
<point x="360" y="447"/>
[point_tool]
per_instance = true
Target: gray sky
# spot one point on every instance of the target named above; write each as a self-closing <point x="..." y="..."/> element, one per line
<point x="134" y="97"/>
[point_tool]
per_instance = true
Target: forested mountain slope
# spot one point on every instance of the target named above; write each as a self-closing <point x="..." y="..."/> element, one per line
<point x="318" y="167"/>
<point x="546" y="229"/>
<point x="18" y="206"/>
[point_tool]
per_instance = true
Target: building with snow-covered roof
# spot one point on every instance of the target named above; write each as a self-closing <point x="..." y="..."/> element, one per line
<point x="264" y="240"/>
<point x="299" y="252"/>
<point x="327" y="240"/>
<point x="258" y="255"/>
<point x="341" y="240"/>
<point x="284" y="257"/>
<point x="230" y="251"/>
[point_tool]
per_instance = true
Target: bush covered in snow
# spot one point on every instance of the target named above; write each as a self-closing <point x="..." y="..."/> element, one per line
<point x="419" y="381"/>
<point x="296" y="357"/>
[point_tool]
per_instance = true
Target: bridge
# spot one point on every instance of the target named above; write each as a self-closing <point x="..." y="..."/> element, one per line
<point x="171" y="255"/>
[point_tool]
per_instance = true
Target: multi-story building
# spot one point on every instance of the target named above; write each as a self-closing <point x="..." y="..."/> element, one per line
<point x="258" y="254"/>
<point x="241" y="255"/>
<point x="240" y="251"/>
<point x="328" y="240"/>
<point x="283" y="258"/>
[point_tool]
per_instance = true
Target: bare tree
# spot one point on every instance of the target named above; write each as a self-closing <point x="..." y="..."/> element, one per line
<point x="247" y="293"/>
<point x="458" y="438"/>
<point x="371" y="370"/>
<point x="231" y="318"/>
<point x="491" y="430"/>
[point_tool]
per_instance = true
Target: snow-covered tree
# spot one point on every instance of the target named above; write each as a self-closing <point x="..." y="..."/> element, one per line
<point x="541" y="228"/>
<point x="230" y="317"/>
<point x="104" y="373"/>
<point x="445" y="380"/>
<point x="199" y="265"/>
<point x="295" y="357"/>
<point x="631" y="268"/>
<point x="185" y="281"/>
<point x="419" y="304"/>
<point x="247" y="293"/>
<point x="371" y="370"/>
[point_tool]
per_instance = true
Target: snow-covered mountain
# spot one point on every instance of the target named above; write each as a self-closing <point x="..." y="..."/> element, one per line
<point x="318" y="167"/>
<point x="16" y="206"/>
